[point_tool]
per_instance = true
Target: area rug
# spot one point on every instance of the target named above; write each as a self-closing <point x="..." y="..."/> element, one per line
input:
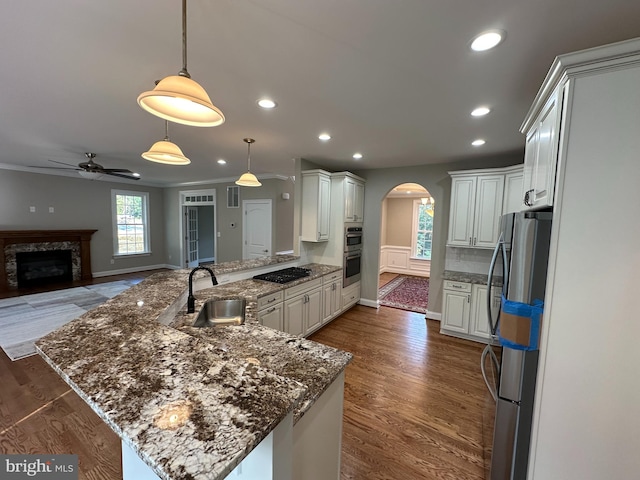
<point x="406" y="292"/>
<point x="25" y="319"/>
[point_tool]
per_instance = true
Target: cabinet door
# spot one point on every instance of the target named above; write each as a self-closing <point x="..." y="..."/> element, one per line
<point x="513" y="186"/>
<point x="324" y="206"/>
<point x="313" y="310"/>
<point x="463" y="195"/>
<point x="349" y="200"/>
<point x="455" y="311"/>
<point x="316" y="206"/>
<point x="541" y="156"/>
<point x="272" y="317"/>
<point x="479" y="322"/>
<point x="489" y="192"/>
<point x="331" y="299"/>
<point x="358" y="202"/>
<point x="294" y="311"/>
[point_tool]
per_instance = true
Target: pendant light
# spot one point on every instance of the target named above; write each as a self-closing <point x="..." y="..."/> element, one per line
<point x="166" y="151"/>
<point x="248" y="179"/>
<point x="180" y="99"/>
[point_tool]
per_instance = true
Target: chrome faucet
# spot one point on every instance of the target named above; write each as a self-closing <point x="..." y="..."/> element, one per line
<point x="191" y="300"/>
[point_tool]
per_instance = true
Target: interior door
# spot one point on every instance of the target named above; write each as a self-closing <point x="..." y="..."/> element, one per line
<point x="256" y="228"/>
<point x="191" y="218"/>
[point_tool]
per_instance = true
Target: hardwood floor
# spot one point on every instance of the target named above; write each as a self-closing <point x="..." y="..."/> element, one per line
<point x="414" y="404"/>
<point x="414" y="399"/>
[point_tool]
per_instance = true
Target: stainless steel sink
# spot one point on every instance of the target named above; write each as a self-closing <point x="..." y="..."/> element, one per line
<point x="215" y="313"/>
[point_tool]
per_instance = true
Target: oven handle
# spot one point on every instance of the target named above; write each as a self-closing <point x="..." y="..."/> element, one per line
<point x="352" y="256"/>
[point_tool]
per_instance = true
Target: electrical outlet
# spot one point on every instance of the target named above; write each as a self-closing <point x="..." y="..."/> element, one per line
<point x="51" y="210"/>
<point x="32" y="209"/>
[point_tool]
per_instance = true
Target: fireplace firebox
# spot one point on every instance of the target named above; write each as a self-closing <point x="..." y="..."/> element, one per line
<point x="43" y="267"/>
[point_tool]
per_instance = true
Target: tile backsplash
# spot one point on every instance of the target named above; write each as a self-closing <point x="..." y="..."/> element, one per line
<point x="470" y="260"/>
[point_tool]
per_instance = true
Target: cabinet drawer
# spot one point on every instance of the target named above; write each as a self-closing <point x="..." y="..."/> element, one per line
<point x="270" y="299"/>
<point x="457" y="286"/>
<point x="332" y="277"/>
<point x="302" y="288"/>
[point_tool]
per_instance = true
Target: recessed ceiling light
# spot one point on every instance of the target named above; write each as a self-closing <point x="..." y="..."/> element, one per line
<point x="222" y="161"/>
<point x="324" y="137"/>
<point x="480" y="111"/>
<point x="487" y="40"/>
<point x="477" y="143"/>
<point x="135" y="174"/>
<point x="267" y="103"/>
<point x="357" y="156"/>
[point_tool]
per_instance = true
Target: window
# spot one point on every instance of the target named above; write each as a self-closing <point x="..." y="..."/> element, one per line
<point x="130" y="222"/>
<point x="421" y="240"/>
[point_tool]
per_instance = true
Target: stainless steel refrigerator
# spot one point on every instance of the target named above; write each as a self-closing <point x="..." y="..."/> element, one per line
<point x="522" y="252"/>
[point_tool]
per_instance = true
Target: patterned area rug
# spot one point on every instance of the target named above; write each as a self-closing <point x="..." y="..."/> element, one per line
<point x="25" y="319"/>
<point x="407" y="293"/>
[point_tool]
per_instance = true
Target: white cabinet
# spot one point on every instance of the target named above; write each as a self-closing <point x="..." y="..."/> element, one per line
<point x="456" y="307"/>
<point x="303" y="308"/>
<point x="331" y="296"/>
<point x="476" y="206"/>
<point x="270" y="311"/>
<point x="354" y="200"/>
<point x="478" y="319"/>
<point x="464" y="310"/>
<point x="541" y="154"/>
<point x="348" y="193"/>
<point x="350" y="295"/>
<point x="316" y="205"/>
<point x="513" y="185"/>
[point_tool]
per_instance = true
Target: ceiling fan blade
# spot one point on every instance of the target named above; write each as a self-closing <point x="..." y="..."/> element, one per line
<point x="116" y="170"/>
<point x="62" y="163"/>
<point x="120" y="175"/>
<point x="54" y="168"/>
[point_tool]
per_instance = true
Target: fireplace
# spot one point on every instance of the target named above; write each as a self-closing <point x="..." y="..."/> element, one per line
<point x="16" y="242"/>
<point x="45" y="267"/>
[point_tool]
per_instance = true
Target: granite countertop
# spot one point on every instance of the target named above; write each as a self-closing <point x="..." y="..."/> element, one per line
<point x="192" y="402"/>
<point x="477" y="278"/>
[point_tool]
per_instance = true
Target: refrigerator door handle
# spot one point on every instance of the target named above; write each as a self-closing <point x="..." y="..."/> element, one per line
<point x="493" y="326"/>
<point x="488" y="350"/>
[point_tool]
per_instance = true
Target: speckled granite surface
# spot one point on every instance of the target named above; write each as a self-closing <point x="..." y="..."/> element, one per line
<point x="193" y="402"/>
<point x="476" y="278"/>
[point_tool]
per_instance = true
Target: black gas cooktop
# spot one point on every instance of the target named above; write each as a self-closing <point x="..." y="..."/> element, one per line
<point x="285" y="275"/>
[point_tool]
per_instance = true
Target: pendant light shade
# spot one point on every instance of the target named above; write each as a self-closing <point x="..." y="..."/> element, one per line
<point x="180" y="99"/>
<point x="248" y="179"/>
<point x="166" y="151"/>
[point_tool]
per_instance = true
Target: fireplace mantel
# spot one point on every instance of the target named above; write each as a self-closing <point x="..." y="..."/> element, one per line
<point x="10" y="237"/>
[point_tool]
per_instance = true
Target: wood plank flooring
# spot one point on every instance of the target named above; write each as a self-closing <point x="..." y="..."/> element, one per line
<point x="414" y="404"/>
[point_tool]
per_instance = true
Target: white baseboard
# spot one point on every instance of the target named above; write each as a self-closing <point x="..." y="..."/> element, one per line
<point x="121" y="271"/>
<point x="434" y="316"/>
<point x="369" y="303"/>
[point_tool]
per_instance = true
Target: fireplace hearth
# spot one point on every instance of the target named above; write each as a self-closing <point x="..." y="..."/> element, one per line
<point x="35" y="269"/>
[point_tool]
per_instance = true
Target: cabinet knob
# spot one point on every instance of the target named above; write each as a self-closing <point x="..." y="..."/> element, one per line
<point x="474" y="240"/>
<point x="468" y="298"/>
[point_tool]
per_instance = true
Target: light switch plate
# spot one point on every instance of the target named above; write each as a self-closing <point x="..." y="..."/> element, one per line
<point x="32" y="209"/>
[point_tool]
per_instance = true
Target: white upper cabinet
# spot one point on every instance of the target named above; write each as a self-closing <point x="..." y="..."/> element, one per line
<point x="476" y="206"/>
<point x="352" y="189"/>
<point x="316" y="205"/>
<point x="541" y="154"/>
<point x="513" y="186"/>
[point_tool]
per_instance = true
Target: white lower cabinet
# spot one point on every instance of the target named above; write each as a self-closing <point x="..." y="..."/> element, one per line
<point x="331" y="296"/>
<point x="350" y="295"/>
<point x="464" y="312"/>
<point x="270" y="311"/>
<point x="303" y="308"/>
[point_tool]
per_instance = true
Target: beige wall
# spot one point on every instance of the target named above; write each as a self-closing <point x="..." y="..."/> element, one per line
<point x="399" y="219"/>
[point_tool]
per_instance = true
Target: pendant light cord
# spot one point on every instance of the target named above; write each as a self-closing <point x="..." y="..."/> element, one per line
<point x="184" y="71"/>
<point x="166" y="130"/>
<point x="249" y="157"/>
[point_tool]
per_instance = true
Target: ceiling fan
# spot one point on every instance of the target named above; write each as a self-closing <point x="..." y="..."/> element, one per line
<point x="93" y="170"/>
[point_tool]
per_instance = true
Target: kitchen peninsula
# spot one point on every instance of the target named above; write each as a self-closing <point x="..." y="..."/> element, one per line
<point x="192" y="402"/>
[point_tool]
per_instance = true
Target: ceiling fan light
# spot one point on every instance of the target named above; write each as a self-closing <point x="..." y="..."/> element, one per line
<point x="166" y="152"/>
<point x="90" y="175"/>
<point x="181" y="100"/>
<point x="248" y="180"/>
